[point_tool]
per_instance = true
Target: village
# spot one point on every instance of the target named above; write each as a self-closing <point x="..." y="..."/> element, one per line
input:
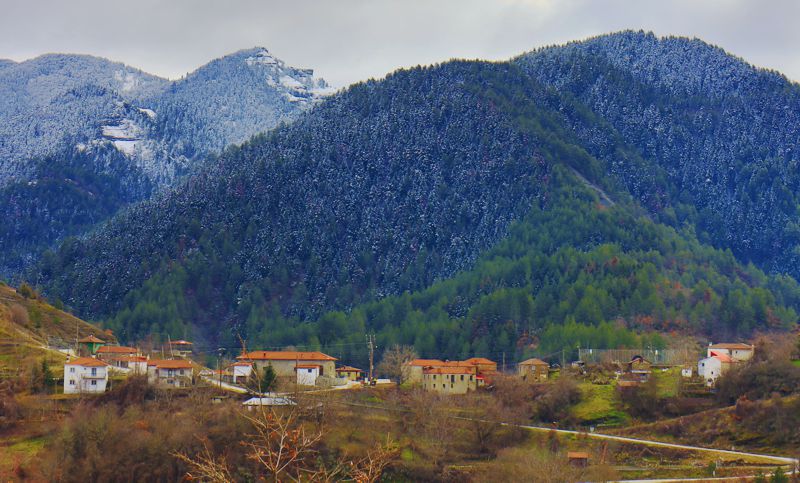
<point x="90" y="369"/>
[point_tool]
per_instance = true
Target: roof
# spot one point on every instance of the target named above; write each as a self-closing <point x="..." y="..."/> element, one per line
<point x="577" y="455"/>
<point x="91" y="339"/>
<point x="117" y="349"/>
<point x="242" y="364"/>
<point x="448" y="370"/>
<point x="722" y="357"/>
<point x="729" y="346"/>
<point x="180" y="342"/>
<point x="131" y="358"/>
<point x="348" y="369"/>
<point x="425" y="362"/>
<point x="171" y="364"/>
<point x="534" y="362"/>
<point x="86" y="362"/>
<point x="479" y="360"/>
<point x="286" y="356"/>
<point x="307" y="366"/>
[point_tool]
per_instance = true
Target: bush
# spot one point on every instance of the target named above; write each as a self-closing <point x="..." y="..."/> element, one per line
<point x="758" y="380"/>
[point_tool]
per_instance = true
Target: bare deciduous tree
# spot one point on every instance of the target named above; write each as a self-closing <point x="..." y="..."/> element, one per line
<point x="394" y="362"/>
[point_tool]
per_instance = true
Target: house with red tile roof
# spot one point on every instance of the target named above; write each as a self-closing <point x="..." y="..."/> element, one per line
<point x="170" y="373"/>
<point x="285" y="363"/>
<point x="85" y="375"/>
<point x="736" y="350"/>
<point x="533" y="369"/>
<point x="712" y="367"/>
<point x="350" y="373"/>
<point x="479" y="367"/>
<point x="450" y="379"/>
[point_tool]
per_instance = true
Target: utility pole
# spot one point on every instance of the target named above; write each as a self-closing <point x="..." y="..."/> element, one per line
<point x="504" y="361"/>
<point x="219" y="372"/>
<point x="371" y="347"/>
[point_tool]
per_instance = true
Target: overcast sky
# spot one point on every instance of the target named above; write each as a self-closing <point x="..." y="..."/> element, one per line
<point x="348" y="40"/>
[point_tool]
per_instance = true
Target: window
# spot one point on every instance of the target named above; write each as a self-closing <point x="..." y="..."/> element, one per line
<point x="470" y="378"/>
<point x="94" y="382"/>
<point x="94" y="371"/>
<point x="434" y="386"/>
<point x="181" y="372"/>
<point x="72" y="370"/>
<point x="310" y="371"/>
<point x="72" y="382"/>
<point x="462" y="377"/>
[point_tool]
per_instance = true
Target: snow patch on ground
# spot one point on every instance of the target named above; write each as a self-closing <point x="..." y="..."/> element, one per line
<point x="148" y="112"/>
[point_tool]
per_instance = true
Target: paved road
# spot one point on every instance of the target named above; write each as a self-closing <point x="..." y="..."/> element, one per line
<point x="791" y="463"/>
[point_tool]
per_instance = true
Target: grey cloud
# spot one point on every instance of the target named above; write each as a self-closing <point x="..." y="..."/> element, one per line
<point x="350" y="40"/>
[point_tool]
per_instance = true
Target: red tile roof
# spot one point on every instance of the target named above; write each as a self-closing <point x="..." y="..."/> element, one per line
<point x="425" y="362"/>
<point x="116" y="349"/>
<point x="86" y="362"/>
<point x="722" y="357"/>
<point x="171" y="364"/>
<point x="242" y="364"/>
<point x="285" y="356"/>
<point x="91" y="339"/>
<point x="731" y="346"/>
<point x="480" y="360"/>
<point x="534" y="362"/>
<point x="448" y="370"/>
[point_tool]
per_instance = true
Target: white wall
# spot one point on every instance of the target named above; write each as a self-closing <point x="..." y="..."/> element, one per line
<point x="84" y="380"/>
<point x="307" y="377"/>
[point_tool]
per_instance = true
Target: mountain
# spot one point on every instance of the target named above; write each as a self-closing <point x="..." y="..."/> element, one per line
<point x="716" y="142"/>
<point x="56" y="99"/>
<point x="68" y="120"/>
<point x="456" y="185"/>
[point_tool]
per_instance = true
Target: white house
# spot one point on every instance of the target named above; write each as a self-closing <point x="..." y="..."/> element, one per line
<point x="85" y="375"/>
<point x="736" y="351"/>
<point x="307" y="374"/>
<point x="712" y="367"/>
<point x="686" y="372"/>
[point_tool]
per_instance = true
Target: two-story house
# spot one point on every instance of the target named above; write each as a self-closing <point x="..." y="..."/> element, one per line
<point x="85" y="375"/>
<point x="170" y="373"/>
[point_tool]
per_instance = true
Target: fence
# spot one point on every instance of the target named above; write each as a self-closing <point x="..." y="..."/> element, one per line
<point x="664" y="357"/>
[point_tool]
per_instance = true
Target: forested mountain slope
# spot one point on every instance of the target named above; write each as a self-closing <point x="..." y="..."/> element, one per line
<point x="400" y="184"/>
<point x="68" y="121"/>
<point x="717" y="141"/>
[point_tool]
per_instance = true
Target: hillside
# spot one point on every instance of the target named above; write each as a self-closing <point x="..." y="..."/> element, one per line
<point x="713" y="140"/>
<point x="81" y="137"/>
<point x="398" y="185"/>
<point x="28" y="326"/>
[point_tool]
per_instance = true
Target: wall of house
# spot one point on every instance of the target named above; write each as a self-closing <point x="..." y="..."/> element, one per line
<point x="710" y="369"/>
<point x="85" y="380"/>
<point x="169" y="377"/>
<point x="286" y="368"/>
<point x="350" y="376"/>
<point x="307" y="376"/>
<point x="449" y="383"/>
<point x="535" y="372"/>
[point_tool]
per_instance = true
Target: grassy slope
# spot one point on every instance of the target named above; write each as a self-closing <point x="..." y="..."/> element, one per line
<point x="26" y="325"/>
